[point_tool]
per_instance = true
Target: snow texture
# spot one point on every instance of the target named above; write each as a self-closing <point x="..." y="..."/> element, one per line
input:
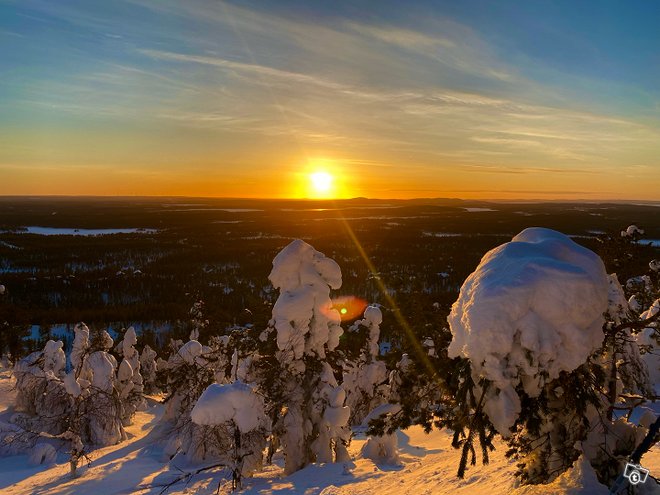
<point x="80" y="344"/>
<point x="383" y="449"/>
<point x="191" y="352"/>
<point x="72" y="385"/>
<point x="532" y="308"/>
<point x="99" y="370"/>
<point x="303" y="315"/>
<point x="42" y="454"/>
<point x="236" y="402"/>
<point x="54" y="357"/>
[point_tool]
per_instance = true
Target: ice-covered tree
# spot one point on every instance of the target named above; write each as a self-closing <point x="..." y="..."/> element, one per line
<point x="530" y="358"/>
<point x="40" y="395"/>
<point x="528" y="319"/>
<point x="81" y="407"/>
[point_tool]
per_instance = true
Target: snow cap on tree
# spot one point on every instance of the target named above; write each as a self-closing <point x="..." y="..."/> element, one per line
<point x="532" y="308"/>
<point x="237" y="402"/>
<point x="99" y="369"/>
<point x="130" y="339"/>
<point x="303" y="314"/>
<point x="192" y="352"/>
<point x="80" y="344"/>
<point x="54" y="357"/>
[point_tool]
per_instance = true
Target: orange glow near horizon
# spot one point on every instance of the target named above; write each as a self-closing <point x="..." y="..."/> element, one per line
<point x="322" y="178"/>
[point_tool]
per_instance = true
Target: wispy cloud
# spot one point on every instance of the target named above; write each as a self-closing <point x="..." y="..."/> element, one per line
<point x="374" y="94"/>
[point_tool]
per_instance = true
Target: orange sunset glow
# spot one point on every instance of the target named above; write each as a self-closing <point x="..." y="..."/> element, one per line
<point x="219" y="99"/>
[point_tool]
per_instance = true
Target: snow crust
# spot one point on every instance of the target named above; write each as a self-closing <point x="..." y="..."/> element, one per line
<point x="237" y="402"/>
<point x="532" y="308"/>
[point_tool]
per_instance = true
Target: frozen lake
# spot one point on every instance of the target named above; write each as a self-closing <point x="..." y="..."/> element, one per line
<point x="83" y="232"/>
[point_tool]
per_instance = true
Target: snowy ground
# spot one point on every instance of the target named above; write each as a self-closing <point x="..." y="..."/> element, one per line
<point x="428" y="466"/>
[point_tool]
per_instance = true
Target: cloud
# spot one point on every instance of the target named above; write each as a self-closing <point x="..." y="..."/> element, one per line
<point x="435" y="97"/>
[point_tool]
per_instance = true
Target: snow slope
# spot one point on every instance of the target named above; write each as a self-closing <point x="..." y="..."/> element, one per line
<point x="428" y="466"/>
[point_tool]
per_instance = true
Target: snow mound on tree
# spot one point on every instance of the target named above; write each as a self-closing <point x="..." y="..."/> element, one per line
<point x="237" y="402"/>
<point x="303" y="315"/>
<point x="532" y="309"/>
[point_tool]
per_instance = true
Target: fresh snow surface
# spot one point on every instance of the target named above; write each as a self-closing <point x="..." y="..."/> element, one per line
<point x="426" y="466"/>
<point x="533" y="306"/>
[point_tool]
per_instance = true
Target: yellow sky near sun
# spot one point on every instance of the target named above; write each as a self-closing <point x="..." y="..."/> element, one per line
<point x="294" y="179"/>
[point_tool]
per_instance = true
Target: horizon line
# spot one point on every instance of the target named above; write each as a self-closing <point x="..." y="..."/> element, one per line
<point x="421" y="198"/>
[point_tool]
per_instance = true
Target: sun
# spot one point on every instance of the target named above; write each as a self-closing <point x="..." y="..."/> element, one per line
<point x="321" y="178"/>
<point x="321" y="184"/>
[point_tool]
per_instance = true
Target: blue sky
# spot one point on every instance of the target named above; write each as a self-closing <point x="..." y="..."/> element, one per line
<point x="397" y="99"/>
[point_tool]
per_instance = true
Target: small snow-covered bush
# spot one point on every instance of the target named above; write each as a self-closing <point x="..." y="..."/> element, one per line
<point x="233" y="418"/>
<point x="87" y="406"/>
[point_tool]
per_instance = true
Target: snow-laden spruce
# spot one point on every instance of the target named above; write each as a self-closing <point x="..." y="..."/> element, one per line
<point x="314" y="426"/>
<point x="303" y="315"/>
<point x="532" y="309"/>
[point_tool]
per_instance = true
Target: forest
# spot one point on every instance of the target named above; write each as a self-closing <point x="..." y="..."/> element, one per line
<point x="219" y="251"/>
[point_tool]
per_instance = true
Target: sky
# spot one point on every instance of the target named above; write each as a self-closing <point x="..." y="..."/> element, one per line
<point x="387" y="99"/>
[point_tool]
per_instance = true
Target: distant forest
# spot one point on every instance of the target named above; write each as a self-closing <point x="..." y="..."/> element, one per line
<point x="220" y="252"/>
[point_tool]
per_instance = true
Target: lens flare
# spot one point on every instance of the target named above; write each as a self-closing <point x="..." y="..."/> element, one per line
<point x="349" y="307"/>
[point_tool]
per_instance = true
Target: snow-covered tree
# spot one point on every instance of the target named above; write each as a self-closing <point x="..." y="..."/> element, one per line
<point x="532" y="358"/>
<point x="40" y="395"/>
<point x="197" y="320"/>
<point x="305" y="328"/>
<point x="129" y="378"/>
<point x="365" y="379"/>
<point x="81" y="408"/>
<point x="233" y="417"/>
<point x="189" y="372"/>
<point x="148" y="369"/>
